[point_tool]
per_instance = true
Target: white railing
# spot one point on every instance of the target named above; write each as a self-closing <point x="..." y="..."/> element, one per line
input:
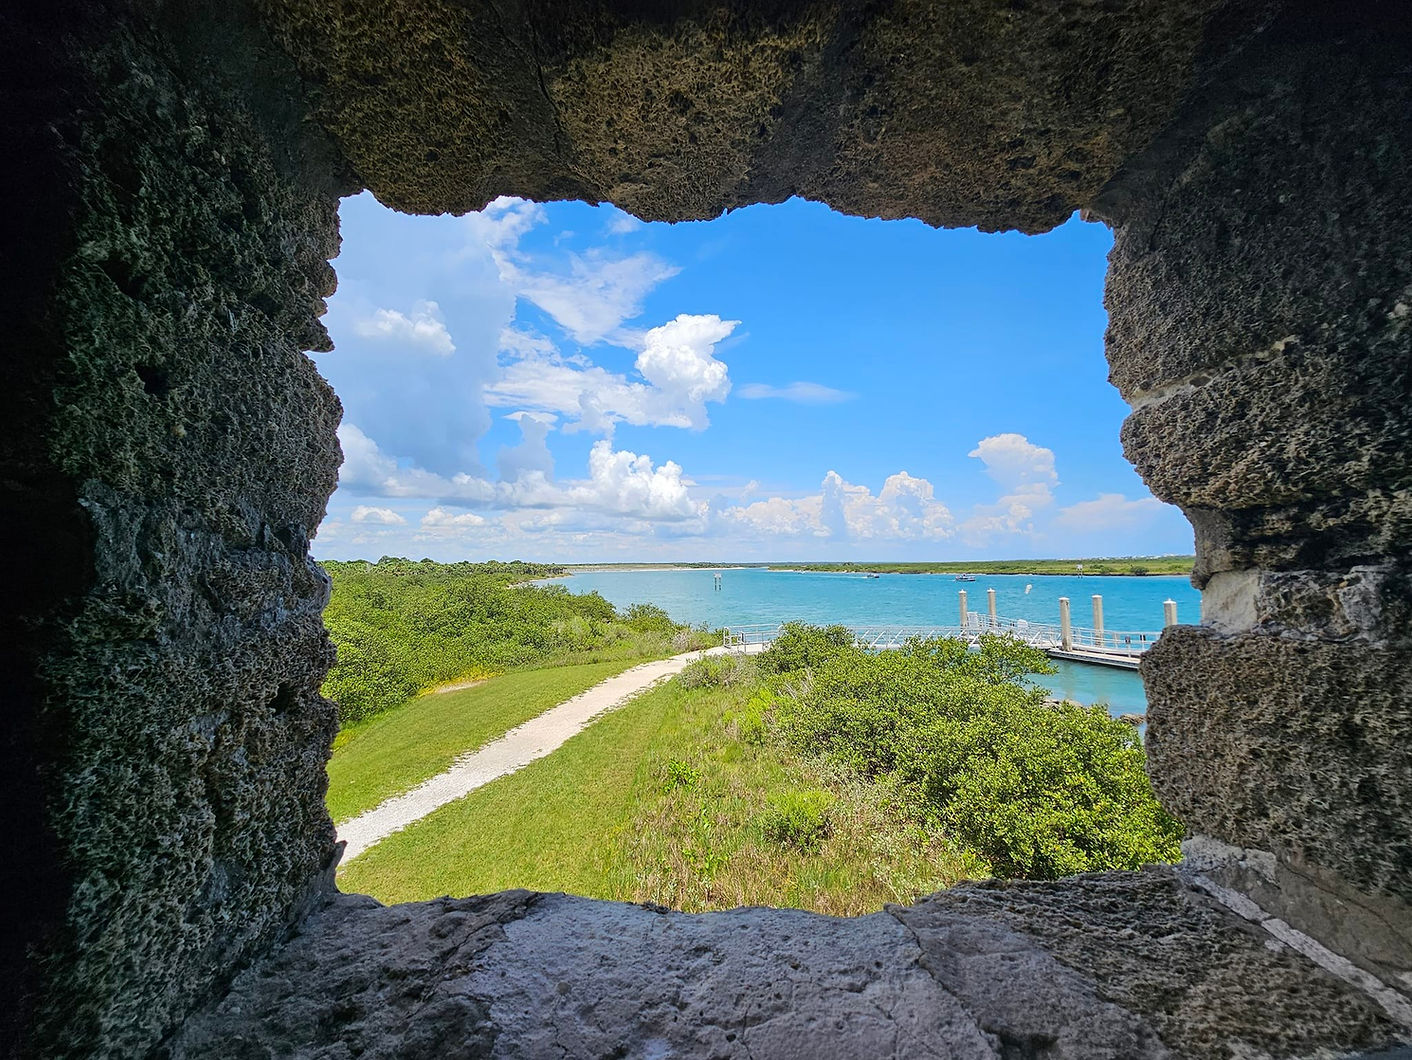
<point x="1042" y="635"/>
<point x="762" y="633"/>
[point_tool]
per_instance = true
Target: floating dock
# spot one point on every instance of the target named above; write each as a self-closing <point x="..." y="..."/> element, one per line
<point x="1094" y="645"/>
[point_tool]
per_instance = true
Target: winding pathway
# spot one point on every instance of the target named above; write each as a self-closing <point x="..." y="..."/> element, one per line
<point x="516" y="749"/>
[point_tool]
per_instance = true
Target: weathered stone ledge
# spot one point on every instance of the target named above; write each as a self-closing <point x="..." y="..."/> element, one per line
<point x="1105" y="965"/>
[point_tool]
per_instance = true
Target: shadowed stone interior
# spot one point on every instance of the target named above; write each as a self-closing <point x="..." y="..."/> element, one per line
<point x="173" y="177"/>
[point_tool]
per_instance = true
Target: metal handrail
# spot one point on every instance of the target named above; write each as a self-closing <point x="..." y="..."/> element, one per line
<point x="1043" y="635"/>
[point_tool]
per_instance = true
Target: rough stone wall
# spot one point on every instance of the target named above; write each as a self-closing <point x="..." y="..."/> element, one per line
<point x="963" y="113"/>
<point x="1260" y="300"/>
<point x="178" y="447"/>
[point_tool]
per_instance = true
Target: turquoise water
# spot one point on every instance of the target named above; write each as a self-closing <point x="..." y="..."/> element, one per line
<point x="750" y="596"/>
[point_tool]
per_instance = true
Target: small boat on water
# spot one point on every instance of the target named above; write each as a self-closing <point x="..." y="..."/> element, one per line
<point x="874" y="575"/>
<point x="965" y="577"/>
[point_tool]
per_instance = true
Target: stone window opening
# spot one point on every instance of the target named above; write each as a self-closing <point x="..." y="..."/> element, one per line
<point x="174" y="179"/>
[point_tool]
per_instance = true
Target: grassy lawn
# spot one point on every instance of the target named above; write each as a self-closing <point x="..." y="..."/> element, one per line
<point x="399" y="748"/>
<point x="670" y="799"/>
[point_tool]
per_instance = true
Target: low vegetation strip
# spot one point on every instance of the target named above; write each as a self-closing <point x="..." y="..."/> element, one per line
<point x="399" y="748"/>
<point x="818" y="777"/>
<point x="404" y="627"/>
<point x="1138" y="565"/>
<point x="1133" y="565"/>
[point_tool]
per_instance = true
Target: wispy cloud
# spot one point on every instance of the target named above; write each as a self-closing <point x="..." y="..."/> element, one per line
<point x="589" y="295"/>
<point x="622" y="224"/>
<point x="1108" y="512"/>
<point x="801" y="393"/>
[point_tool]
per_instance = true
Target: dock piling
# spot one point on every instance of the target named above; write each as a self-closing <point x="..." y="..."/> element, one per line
<point x="963" y="610"/>
<point x="1066" y="628"/>
<point x="1097" y="620"/>
<point x="990" y="606"/>
<point x="1169" y="613"/>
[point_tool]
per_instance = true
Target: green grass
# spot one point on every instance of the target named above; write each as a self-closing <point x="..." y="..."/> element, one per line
<point x="394" y="751"/>
<point x="670" y="799"/>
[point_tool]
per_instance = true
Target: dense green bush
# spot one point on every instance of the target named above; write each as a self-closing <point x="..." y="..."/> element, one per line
<point x="1038" y="790"/>
<point x="402" y="626"/>
<point x="800" y="647"/>
<point x="649" y="618"/>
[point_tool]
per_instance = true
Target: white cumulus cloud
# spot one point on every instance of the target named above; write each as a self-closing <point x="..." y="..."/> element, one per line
<point x="628" y="484"/>
<point x="905" y="509"/>
<point x="423" y="330"/>
<point x="444" y="519"/>
<point x="1013" y="460"/>
<point x="364" y="513"/>
<point x="1026" y="475"/>
<point x="677" y="363"/>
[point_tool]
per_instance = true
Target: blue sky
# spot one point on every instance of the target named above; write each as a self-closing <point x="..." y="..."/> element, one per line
<point x="563" y="382"/>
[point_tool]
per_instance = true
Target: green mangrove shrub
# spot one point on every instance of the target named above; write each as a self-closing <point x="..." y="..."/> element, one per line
<point x="972" y="747"/>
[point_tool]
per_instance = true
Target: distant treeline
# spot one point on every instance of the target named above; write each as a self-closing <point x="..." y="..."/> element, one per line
<point x="1127" y="565"/>
<point x="403" y="626"/>
<point x="1111" y="565"/>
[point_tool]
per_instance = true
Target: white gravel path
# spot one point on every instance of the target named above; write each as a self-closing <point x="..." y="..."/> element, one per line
<point x="517" y="748"/>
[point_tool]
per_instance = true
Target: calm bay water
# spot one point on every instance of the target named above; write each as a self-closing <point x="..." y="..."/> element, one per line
<point x="751" y="596"/>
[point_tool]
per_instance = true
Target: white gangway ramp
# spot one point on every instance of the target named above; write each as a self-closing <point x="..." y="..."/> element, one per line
<point x="1107" y="647"/>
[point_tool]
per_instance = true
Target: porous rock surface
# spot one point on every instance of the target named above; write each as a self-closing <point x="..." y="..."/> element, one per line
<point x="1117" y="965"/>
<point x="170" y="447"/>
<point x="1260" y="301"/>
<point x="1260" y="324"/>
<point x="967" y="113"/>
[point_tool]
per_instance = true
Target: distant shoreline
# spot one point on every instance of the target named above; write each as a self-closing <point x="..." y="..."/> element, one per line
<point x="1128" y="566"/>
<point x="648" y="568"/>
